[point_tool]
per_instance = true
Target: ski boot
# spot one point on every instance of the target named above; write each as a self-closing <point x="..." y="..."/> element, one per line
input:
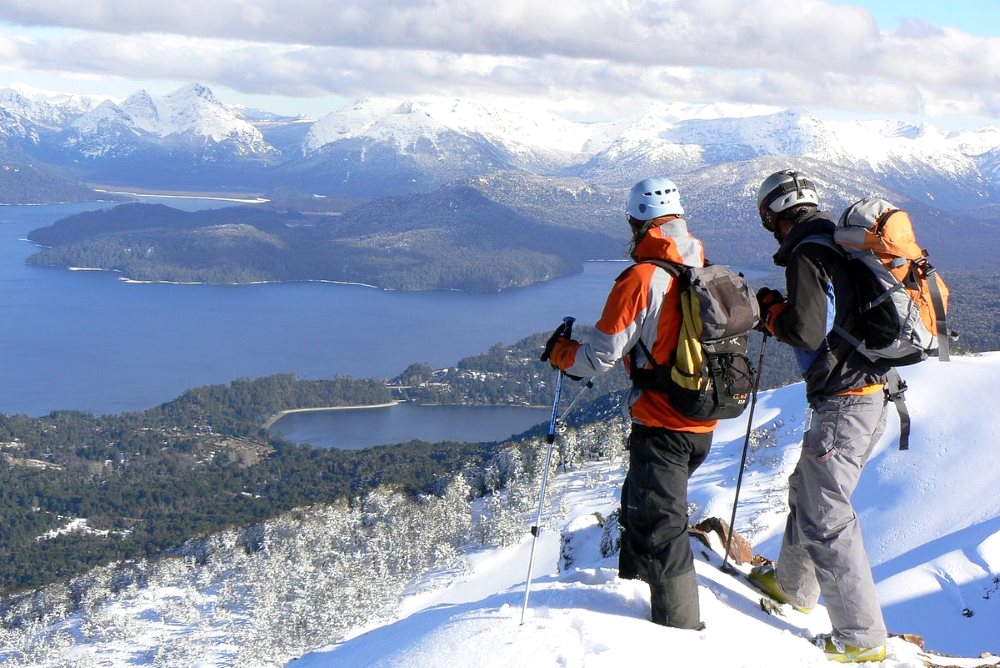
<point x="765" y="578"/>
<point x="842" y="653"/>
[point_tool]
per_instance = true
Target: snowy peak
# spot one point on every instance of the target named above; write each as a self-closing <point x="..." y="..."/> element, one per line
<point x="788" y="132"/>
<point x="143" y="111"/>
<point x="192" y="115"/>
<point x="14" y="126"/>
<point x="49" y="110"/>
<point x="520" y="131"/>
<point x="194" y="109"/>
<point x="106" y="114"/>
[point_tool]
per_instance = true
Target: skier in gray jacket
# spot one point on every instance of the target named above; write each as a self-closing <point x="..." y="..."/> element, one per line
<point x="823" y="551"/>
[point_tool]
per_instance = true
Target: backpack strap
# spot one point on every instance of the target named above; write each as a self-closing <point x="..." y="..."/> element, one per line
<point x="939" y="311"/>
<point x="855" y="342"/>
<point x="895" y="388"/>
<point x="674" y="270"/>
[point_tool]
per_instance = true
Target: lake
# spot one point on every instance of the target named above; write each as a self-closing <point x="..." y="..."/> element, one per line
<point x="88" y="341"/>
<point x="351" y="429"/>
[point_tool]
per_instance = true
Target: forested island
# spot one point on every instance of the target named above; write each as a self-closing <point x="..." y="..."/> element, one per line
<point x="452" y="239"/>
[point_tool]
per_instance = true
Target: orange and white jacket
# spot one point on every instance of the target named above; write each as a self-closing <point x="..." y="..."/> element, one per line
<point x="644" y="303"/>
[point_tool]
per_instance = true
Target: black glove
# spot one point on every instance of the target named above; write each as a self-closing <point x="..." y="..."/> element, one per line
<point x="766" y="298"/>
<point x="560" y="330"/>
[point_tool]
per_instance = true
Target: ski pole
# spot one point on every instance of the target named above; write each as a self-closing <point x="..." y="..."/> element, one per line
<point x="586" y="386"/>
<point x="726" y="568"/>
<point x="550" y="438"/>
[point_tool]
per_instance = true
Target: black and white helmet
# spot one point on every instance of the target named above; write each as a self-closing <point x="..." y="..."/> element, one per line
<point x="783" y="190"/>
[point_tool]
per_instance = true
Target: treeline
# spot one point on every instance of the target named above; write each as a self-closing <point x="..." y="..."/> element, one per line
<point x="513" y="374"/>
<point x="150" y="480"/>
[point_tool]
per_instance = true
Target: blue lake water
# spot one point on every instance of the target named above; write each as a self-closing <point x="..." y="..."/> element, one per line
<point x="88" y="341"/>
<point x="365" y="427"/>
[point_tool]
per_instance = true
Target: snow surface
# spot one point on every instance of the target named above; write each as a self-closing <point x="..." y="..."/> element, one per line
<point x="931" y="518"/>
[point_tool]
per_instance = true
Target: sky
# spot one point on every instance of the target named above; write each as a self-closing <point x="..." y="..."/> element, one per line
<point x="584" y="58"/>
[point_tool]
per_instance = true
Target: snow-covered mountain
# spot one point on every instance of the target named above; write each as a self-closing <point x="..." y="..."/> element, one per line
<point x="931" y="518"/>
<point x="438" y="137"/>
<point x="46" y="109"/>
<point x="383" y="146"/>
<point x="15" y="128"/>
<point x="530" y="140"/>
<point x="108" y="131"/>
<point x="191" y="116"/>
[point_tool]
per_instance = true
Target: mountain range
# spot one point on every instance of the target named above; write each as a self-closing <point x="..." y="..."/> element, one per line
<point x="380" y="146"/>
<point x="436" y="193"/>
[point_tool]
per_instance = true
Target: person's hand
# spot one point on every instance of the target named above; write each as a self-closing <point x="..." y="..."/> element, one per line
<point x="563" y="355"/>
<point x="550" y="344"/>
<point x="771" y="303"/>
<point x="768" y="297"/>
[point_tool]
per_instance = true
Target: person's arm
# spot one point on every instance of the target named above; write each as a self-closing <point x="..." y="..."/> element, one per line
<point x="615" y="332"/>
<point x="808" y="314"/>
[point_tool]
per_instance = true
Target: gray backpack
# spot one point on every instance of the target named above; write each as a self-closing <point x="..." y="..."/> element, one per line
<point x="710" y="376"/>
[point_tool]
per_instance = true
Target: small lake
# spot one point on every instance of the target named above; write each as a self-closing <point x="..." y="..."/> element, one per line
<point x="356" y="428"/>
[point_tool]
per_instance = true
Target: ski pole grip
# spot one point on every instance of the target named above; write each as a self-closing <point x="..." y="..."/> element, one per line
<point x="568" y="331"/>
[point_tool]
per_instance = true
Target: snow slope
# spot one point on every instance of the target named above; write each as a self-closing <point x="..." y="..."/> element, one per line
<point x="931" y="518"/>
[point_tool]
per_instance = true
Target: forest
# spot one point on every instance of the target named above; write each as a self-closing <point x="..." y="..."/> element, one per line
<point x="150" y="480"/>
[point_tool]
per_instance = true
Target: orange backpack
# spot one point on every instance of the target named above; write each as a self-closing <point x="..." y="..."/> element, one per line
<point x="904" y="300"/>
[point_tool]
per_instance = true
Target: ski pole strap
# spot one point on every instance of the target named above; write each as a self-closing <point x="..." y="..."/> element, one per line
<point x="895" y="388"/>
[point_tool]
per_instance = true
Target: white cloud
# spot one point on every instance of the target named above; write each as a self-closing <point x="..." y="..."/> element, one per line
<point x="783" y="52"/>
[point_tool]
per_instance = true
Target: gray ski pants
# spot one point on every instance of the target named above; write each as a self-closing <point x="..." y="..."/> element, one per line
<point x="823" y="551"/>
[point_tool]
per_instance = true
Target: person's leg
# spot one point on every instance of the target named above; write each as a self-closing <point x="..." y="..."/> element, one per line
<point x="843" y="433"/>
<point x="657" y="519"/>
<point x="796" y="573"/>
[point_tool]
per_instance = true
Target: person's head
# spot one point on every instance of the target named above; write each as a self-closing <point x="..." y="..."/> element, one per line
<point x="649" y="201"/>
<point x="782" y="197"/>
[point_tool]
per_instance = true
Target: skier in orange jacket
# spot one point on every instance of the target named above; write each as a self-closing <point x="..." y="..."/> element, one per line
<point x="665" y="447"/>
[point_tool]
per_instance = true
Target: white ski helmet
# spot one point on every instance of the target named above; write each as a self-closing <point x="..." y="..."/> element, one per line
<point x="652" y="198"/>
<point x="783" y="190"/>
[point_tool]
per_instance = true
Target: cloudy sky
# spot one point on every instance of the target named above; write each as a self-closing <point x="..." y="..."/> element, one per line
<point x="920" y="59"/>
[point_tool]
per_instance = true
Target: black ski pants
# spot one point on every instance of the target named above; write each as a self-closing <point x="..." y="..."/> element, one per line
<point x="654" y="510"/>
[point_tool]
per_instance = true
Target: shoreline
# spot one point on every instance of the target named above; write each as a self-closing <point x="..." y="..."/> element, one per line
<point x="179" y="195"/>
<point x="274" y="418"/>
<point x="280" y="414"/>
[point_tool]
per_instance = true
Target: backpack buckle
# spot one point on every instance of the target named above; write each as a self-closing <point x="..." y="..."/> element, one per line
<point x="896" y="391"/>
